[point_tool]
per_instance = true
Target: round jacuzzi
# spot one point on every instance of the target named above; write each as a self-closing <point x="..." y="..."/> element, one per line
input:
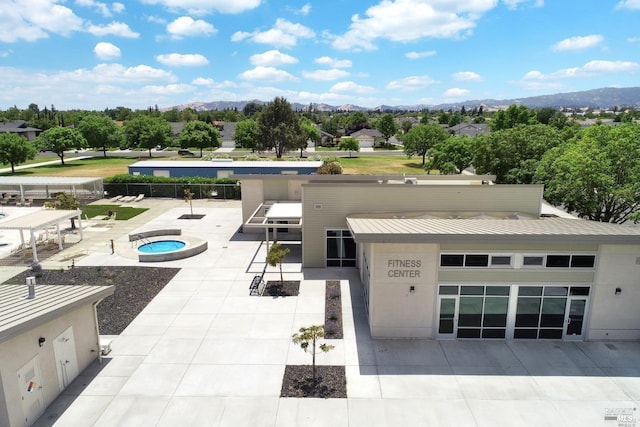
<point x="161" y="246"/>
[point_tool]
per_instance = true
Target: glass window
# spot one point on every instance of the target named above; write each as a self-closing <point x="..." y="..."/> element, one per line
<point x="476" y="260"/>
<point x="470" y="312"/>
<point x="528" y="312"/>
<point x="468" y="333"/>
<point x="500" y="260"/>
<point x="493" y="333"/>
<point x="472" y="290"/>
<point x="448" y="290"/>
<point x="583" y="261"/>
<point x="530" y="291"/>
<point x="495" y="312"/>
<point x="332" y="248"/>
<point x="532" y="261"/>
<point x="449" y="260"/>
<point x="530" y="334"/>
<point x="579" y="290"/>
<point x="553" y="312"/>
<point x="498" y="290"/>
<point x="341" y="249"/>
<point x="550" y="334"/>
<point x="557" y="291"/>
<point x="558" y="261"/>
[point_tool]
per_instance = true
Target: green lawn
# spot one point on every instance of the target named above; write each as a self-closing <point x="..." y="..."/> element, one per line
<point x="93" y="167"/>
<point x="123" y="213"/>
<point x="369" y="165"/>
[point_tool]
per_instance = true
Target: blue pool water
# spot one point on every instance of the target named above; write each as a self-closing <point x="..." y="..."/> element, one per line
<point x="161" y="246"/>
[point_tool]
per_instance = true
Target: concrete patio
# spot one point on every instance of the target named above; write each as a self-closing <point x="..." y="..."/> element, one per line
<point x="205" y="353"/>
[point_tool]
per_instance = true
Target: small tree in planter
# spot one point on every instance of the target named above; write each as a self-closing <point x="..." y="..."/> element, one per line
<point x="308" y="339"/>
<point x="276" y="256"/>
<point x="188" y="198"/>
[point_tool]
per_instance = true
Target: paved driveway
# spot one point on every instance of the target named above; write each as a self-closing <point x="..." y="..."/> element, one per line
<point x="205" y="353"/>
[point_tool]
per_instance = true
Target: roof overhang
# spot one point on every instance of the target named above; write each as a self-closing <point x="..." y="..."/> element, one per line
<point x="19" y="314"/>
<point x="268" y="215"/>
<point x="556" y="230"/>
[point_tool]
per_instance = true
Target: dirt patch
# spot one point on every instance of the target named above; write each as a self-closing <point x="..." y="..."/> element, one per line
<point x="134" y="288"/>
<point x="276" y="288"/>
<point x="330" y="382"/>
<point x="189" y="216"/>
<point x="333" y="310"/>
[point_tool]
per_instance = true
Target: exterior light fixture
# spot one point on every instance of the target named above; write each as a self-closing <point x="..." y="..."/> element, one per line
<point x="618" y="291"/>
<point x="41" y="341"/>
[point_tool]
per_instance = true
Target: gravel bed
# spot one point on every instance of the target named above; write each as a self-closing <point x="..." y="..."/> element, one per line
<point x="288" y="288"/>
<point x="134" y="288"/>
<point x="331" y="382"/>
<point x="333" y="310"/>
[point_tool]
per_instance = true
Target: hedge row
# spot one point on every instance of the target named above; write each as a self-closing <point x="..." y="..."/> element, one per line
<point x="149" y="179"/>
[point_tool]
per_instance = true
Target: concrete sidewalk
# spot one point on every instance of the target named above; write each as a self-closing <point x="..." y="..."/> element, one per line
<point x="204" y="352"/>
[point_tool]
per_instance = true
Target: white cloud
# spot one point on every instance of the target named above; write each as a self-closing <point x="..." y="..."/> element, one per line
<point x="106" y="51"/>
<point x="418" y="55"/>
<point x="629" y="4"/>
<point x="187" y="26"/>
<point x="266" y="74"/>
<point x="200" y="7"/>
<point x="31" y="20"/>
<point x="467" y="76"/>
<point x="115" y="28"/>
<point x="578" y="43"/>
<point x="410" y="83"/>
<point x="209" y="82"/>
<point x="273" y="58"/>
<point x="351" y="87"/>
<point x="283" y="34"/>
<point x="408" y="20"/>
<point x="333" y="62"/>
<point x="116" y="73"/>
<point x="455" y="92"/>
<point x="633" y="40"/>
<point x="590" y="69"/>
<point x="170" y="89"/>
<point x="513" y="4"/>
<point x="325" y="75"/>
<point x="101" y="8"/>
<point x="5" y="53"/>
<point x="182" y="60"/>
<point x="304" y="10"/>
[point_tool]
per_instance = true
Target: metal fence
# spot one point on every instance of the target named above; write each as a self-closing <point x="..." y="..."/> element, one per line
<point x="175" y="191"/>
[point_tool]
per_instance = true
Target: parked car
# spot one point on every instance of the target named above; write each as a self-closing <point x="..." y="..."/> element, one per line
<point x="185" y="153"/>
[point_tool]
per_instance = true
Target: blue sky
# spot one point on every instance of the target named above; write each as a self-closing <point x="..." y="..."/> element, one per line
<point x="89" y="54"/>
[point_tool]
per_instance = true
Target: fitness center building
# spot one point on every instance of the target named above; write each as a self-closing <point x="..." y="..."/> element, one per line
<point x="456" y="257"/>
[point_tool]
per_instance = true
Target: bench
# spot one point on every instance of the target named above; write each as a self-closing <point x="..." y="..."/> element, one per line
<point x="257" y="286"/>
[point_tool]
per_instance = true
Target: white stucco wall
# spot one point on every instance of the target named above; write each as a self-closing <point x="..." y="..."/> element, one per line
<point x="616" y="317"/>
<point x="17" y="351"/>
<point x="394" y="310"/>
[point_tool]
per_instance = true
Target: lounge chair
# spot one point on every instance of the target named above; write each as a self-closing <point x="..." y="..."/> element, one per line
<point x="140" y="197"/>
<point x="116" y="198"/>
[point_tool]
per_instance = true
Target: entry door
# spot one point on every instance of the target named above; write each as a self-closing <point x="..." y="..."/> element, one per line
<point x="30" y="384"/>
<point x="64" y="350"/>
<point x="447" y="317"/>
<point x="575" y="318"/>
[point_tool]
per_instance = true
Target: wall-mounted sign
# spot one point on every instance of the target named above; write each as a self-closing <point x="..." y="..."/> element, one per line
<point x="404" y="268"/>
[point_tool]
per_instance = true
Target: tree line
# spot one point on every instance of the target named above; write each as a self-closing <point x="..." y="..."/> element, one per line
<point x="592" y="171"/>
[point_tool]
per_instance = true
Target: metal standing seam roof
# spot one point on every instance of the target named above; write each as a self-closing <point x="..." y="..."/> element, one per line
<point x="284" y="211"/>
<point x="37" y="220"/>
<point x="224" y="165"/>
<point x="47" y="180"/>
<point x="559" y="230"/>
<point x="19" y="314"/>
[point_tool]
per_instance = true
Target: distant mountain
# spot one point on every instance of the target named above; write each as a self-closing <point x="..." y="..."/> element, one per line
<point x="596" y="98"/>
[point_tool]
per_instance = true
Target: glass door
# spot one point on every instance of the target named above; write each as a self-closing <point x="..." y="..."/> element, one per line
<point x="447" y="317"/>
<point x="575" y="318"/>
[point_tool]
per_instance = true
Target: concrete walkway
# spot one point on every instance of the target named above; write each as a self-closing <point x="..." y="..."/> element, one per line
<point x="204" y="352"/>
